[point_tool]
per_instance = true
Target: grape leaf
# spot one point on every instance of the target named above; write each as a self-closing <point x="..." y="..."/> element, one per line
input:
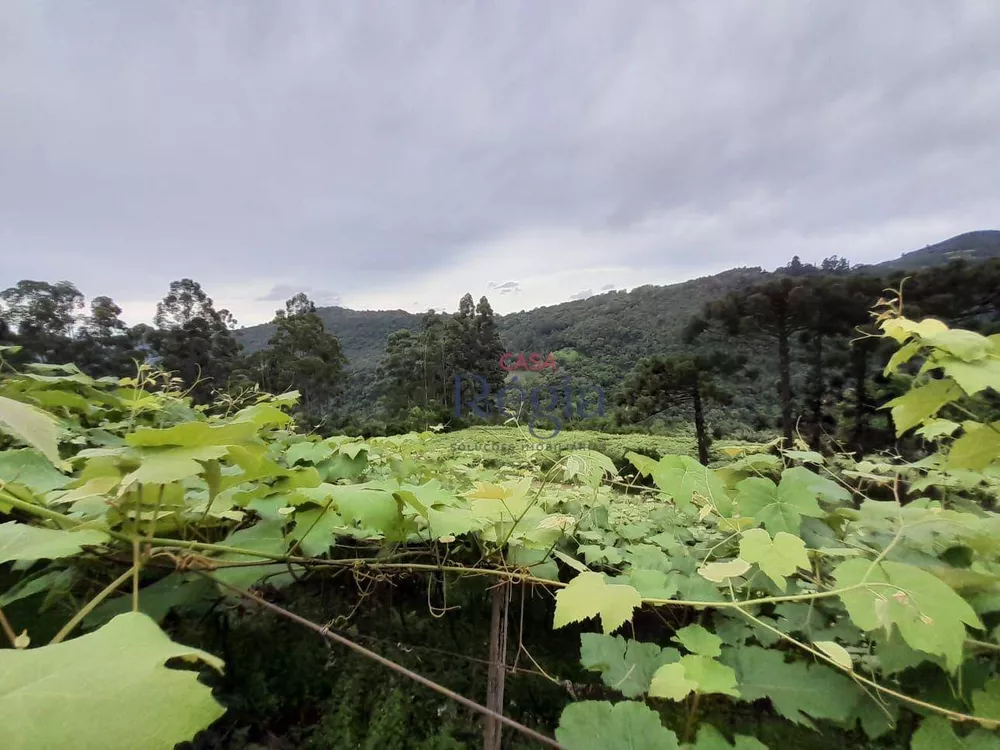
<point x="720" y="571"/>
<point x="796" y="689"/>
<point x="194" y="434"/>
<point x="930" y="616"/>
<point x="822" y="488"/>
<point x="32" y="470"/>
<point x="653" y="584"/>
<point x="629" y="725"/>
<point x="671" y="682"/>
<point x="18" y="541"/>
<point x="308" y="451"/>
<point x="31" y="425"/>
<point x="626" y="666"/>
<point x="778" y="508"/>
<point x="314" y="530"/>
<point x="986" y="702"/>
<point x="836" y="652"/>
<point x="973" y="377"/>
<point x="976" y="449"/>
<point x="109" y="686"/>
<point x="776" y="558"/>
<point x="693" y="673"/>
<point x="590" y="466"/>
<point x="588" y="595"/>
<point x="710" y="738"/>
<point x="264" y="537"/>
<point x="698" y="640"/>
<point x="921" y="403"/>
<point x="937" y="733"/>
<point x="643" y="464"/>
<point x="682" y="477"/>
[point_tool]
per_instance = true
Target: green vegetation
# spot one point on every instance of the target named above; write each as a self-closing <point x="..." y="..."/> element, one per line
<point x="155" y="554"/>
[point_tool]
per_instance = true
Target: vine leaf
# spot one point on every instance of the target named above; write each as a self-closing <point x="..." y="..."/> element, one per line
<point x="986" y="702"/>
<point x="937" y="733"/>
<point x="693" y="673"/>
<point x="930" y="616"/>
<point x="588" y="595"/>
<point x="626" y="666"/>
<point x="710" y="738"/>
<point x="718" y="572"/>
<point x="682" y="478"/>
<point x="107" y="686"/>
<point x="18" y="541"/>
<point x="796" y="689"/>
<point x="590" y="466"/>
<point x="31" y="425"/>
<point x="264" y="537"/>
<point x="671" y="682"/>
<point x="628" y="725"/>
<point x="307" y="451"/>
<point x="836" y="652"/>
<point x="698" y="640"/>
<point x="778" y="508"/>
<point x="776" y="558"/>
<point x="922" y="403"/>
<point x="976" y="449"/>
<point x="30" y="469"/>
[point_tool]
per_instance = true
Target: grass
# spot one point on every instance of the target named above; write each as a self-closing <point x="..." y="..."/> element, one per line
<point x="502" y="441"/>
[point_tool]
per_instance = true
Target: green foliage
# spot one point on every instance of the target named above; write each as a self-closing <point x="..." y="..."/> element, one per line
<point x="832" y="593"/>
<point x="622" y="726"/>
<point x="109" y="685"/>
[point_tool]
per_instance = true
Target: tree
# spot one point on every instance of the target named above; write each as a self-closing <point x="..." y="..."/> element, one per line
<point x="300" y="356"/>
<point x="660" y="384"/>
<point x="419" y="369"/>
<point x="774" y="310"/>
<point x="43" y="315"/>
<point x="105" y="345"/>
<point x="194" y="339"/>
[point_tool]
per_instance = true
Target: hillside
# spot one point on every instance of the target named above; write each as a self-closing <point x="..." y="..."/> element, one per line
<point x="971" y="246"/>
<point x="603" y="335"/>
<point x="362" y="333"/>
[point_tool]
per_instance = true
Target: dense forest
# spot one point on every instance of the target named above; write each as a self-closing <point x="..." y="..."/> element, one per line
<point x="183" y="570"/>
<point x="799" y="356"/>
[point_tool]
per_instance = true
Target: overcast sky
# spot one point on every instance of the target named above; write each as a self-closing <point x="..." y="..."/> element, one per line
<point x="396" y="155"/>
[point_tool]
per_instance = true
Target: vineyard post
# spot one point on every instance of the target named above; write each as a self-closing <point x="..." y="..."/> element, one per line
<point x="500" y="597"/>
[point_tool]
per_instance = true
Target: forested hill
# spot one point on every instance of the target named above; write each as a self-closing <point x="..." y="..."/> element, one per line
<point x="971" y="246"/>
<point x="614" y="328"/>
<point x="362" y="333"/>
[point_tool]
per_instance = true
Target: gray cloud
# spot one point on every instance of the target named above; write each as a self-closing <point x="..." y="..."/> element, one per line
<point x="507" y="287"/>
<point x="607" y="287"/>
<point x="283" y="292"/>
<point x="583" y="294"/>
<point x="271" y="144"/>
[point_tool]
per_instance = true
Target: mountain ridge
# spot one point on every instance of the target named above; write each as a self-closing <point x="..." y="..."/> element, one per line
<point x="618" y="323"/>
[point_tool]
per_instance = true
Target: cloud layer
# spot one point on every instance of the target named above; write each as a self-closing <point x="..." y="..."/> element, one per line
<point x="402" y="156"/>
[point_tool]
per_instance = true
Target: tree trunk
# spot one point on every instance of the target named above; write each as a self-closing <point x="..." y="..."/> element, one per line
<point x="498" y="665"/>
<point x="699" y="423"/>
<point x="785" y="381"/>
<point x="859" y="368"/>
<point x="816" y="390"/>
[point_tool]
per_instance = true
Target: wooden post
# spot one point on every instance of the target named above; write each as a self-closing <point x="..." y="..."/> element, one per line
<point x="498" y="665"/>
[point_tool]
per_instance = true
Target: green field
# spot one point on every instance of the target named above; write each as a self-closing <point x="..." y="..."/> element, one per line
<point x="495" y="443"/>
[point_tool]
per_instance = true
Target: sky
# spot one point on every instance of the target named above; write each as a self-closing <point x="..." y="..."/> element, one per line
<point x="397" y="155"/>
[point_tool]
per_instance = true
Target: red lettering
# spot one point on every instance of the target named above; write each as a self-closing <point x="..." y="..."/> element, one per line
<point x="533" y="361"/>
